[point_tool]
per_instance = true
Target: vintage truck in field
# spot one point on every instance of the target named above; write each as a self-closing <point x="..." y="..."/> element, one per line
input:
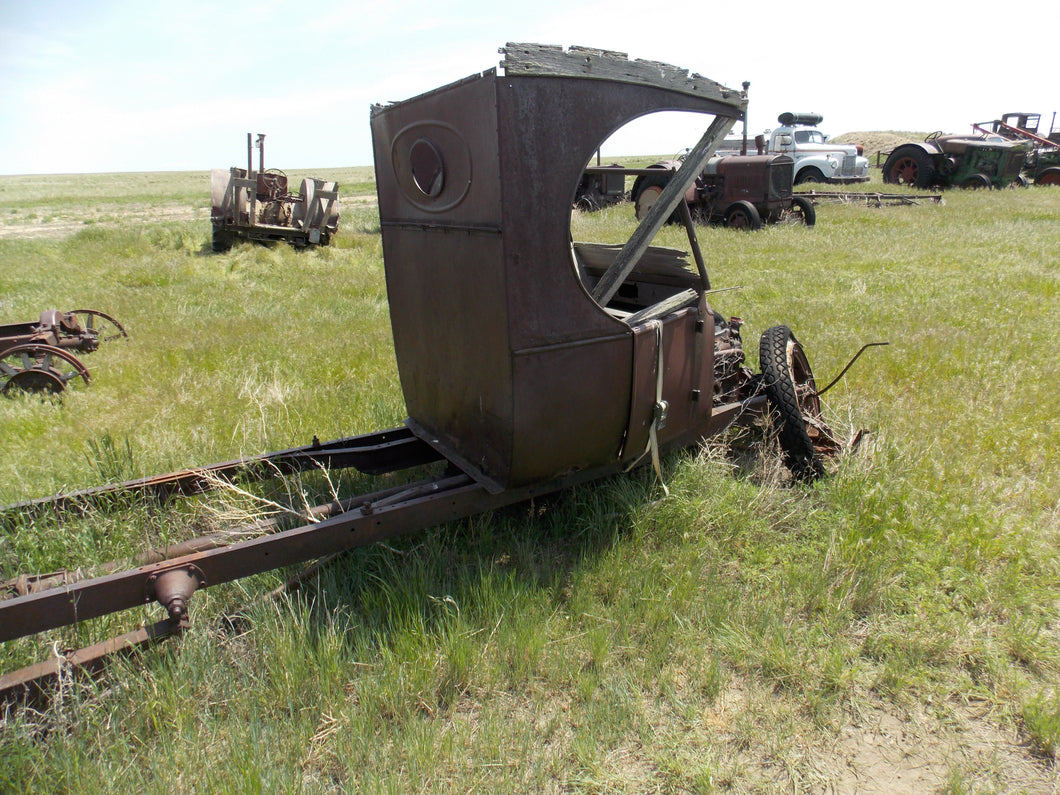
<point x="816" y="158"/>
<point x="529" y="362"/>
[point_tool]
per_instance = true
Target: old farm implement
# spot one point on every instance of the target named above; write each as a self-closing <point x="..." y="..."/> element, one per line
<point x="257" y="205"/>
<point x="871" y="199"/>
<point x="40" y="357"/>
<point x="528" y="363"/>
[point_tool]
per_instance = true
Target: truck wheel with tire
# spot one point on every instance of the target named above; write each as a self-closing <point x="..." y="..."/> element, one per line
<point x="909" y="165"/>
<point x="809" y="174"/>
<point x="976" y="182"/>
<point x="792" y="393"/>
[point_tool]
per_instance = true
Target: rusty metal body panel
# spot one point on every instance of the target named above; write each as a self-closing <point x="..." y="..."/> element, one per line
<point x="508" y="365"/>
<point x="763" y="180"/>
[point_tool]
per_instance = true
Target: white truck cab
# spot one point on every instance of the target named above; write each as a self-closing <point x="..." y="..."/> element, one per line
<point x="816" y="159"/>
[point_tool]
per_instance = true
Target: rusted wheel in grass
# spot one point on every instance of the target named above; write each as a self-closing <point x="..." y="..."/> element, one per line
<point x="904" y="171"/>
<point x="976" y="182"/>
<point x="646" y="191"/>
<point x="221" y="239"/>
<point x="104" y="327"/>
<point x="909" y="165"/>
<point x="792" y="393"/>
<point x="39" y="368"/>
<point x="743" y="215"/>
<point x="1048" y="176"/>
<point x="802" y="212"/>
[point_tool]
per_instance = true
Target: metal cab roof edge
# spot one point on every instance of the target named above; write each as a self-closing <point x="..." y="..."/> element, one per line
<point x="546" y="60"/>
<point x="508" y="364"/>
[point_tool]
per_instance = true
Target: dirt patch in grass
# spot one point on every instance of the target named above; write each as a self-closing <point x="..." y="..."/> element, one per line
<point x="883" y="752"/>
<point x="45" y="222"/>
<point x="41" y="223"/>
<point x="878" y="747"/>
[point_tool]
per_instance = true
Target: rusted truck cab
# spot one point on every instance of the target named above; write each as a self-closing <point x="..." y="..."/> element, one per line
<point x="524" y="356"/>
<point x="528" y="361"/>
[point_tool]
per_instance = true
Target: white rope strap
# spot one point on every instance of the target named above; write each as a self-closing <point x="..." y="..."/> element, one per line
<point x="658" y="413"/>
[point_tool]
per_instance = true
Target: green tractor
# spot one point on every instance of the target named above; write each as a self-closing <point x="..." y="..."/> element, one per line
<point x="966" y="161"/>
<point x="1043" y="161"/>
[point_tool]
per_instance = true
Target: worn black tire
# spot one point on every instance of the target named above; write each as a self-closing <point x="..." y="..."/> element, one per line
<point x="809" y="174"/>
<point x="221" y="240"/>
<point x="744" y="216"/>
<point x="802" y="211"/>
<point x="976" y="182"/>
<point x="646" y="189"/>
<point x="909" y="165"/>
<point x="792" y="393"/>
<point x="1048" y="176"/>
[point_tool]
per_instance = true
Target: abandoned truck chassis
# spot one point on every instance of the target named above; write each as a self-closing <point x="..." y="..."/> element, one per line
<point x="528" y="362"/>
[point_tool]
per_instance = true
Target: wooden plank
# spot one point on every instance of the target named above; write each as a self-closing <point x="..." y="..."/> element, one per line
<point x="665" y="307"/>
<point x="668" y="264"/>
<point x="545" y="59"/>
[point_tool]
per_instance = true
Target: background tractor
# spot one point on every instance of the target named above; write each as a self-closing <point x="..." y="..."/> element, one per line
<point x="966" y="161"/>
<point x="743" y="192"/>
<point x="1043" y="161"/>
<point x="256" y="205"/>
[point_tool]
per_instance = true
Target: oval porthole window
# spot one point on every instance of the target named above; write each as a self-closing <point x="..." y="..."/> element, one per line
<point x="428" y="171"/>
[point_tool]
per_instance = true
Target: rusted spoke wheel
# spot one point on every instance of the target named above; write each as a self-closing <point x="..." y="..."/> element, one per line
<point x="105" y="327"/>
<point x="909" y="165"/>
<point x="792" y="393"/>
<point x="976" y="182"/>
<point x="1050" y="176"/>
<point x="743" y="215"/>
<point x="802" y="213"/>
<point x="905" y="171"/>
<point x="39" y="368"/>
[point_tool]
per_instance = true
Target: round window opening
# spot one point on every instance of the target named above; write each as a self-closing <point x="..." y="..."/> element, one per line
<point x="428" y="171"/>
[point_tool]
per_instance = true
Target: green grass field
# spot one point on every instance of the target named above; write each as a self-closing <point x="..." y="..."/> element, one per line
<point x="894" y="627"/>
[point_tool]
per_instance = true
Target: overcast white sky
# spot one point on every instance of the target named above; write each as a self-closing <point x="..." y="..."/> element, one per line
<point x="130" y="85"/>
